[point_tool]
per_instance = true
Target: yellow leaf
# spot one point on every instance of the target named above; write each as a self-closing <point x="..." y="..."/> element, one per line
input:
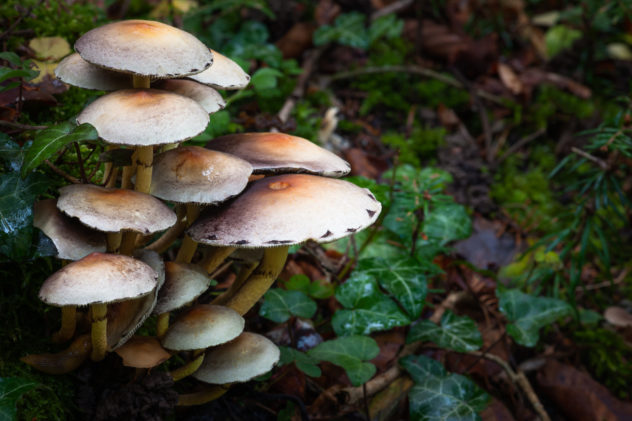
<point x="44" y="69"/>
<point x="50" y="49"/>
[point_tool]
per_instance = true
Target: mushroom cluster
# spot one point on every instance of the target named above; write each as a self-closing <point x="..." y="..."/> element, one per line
<point x="163" y="83"/>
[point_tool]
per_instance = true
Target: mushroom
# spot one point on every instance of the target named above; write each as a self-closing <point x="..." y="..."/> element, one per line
<point x="142" y="352"/>
<point x="280" y="211"/>
<point x="96" y="280"/>
<point x="223" y="74"/>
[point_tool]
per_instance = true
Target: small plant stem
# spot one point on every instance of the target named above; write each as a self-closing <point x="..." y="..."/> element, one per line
<point x="260" y="280"/>
<point x="62" y="173"/>
<point x="187" y="369"/>
<point x="215" y="258"/>
<point x="168" y="237"/>
<point x="244" y="273"/>
<point x="82" y="170"/>
<point x="99" y="331"/>
<point x="188" y="247"/>
<point x="203" y="397"/>
<point x="68" y="324"/>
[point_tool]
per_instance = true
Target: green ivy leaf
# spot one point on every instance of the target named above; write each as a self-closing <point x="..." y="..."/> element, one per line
<point x="265" y="79"/>
<point x="11" y="390"/>
<point x="529" y="314"/>
<point x="401" y="219"/>
<point x="51" y="140"/>
<point x="16" y="199"/>
<point x="279" y="305"/>
<point x="350" y="353"/>
<point x="382" y="315"/>
<point x="404" y="277"/>
<point x="388" y="26"/>
<point x="412" y="179"/>
<point x="380" y="191"/>
<point x="10" y="152"/>
<point x="446" y="223"/>
<point x="457" y="333"/>
<point x="317" y="289"/>
<point x="348" y="29"/>
<point x="304" y="362"/>
<point x="440" y="396"/>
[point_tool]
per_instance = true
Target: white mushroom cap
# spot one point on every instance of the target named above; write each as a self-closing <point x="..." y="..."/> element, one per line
<point x="273" y="153"/>
<point x="72" y="239"/>
<point x="98" y="278"/>
<point x="112" y="210"/>
<point x="223" y="74"/>
<point x="144" y="48"/>
<point x="75" y="71"/>
<point x="248" y="356"/>
<point x="142" y="352"/>
<point x="288" y="209"/>
<point x="193" y="174"/>
<point x="144" y="117"/>
<point x="183" y="284"/>
<point x="207" y="97"/>
<point x="203" y="326"/>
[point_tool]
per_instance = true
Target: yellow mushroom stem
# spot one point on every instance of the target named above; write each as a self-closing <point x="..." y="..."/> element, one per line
<point x="162" y="324"/>
<point x="189" y="368"/>
<point x="205" y="396"/>
<point x="113" y="240"/>
<point x="128" y="173"/>
<point x="64" y="361"/>
<point x="168" y="237"/>
<point x="260" y="280"/>
<point x="169" y="146"/>
<point x="128" y="243"/>
<point x="216" y="257"/>
<point x="244" y="273"/>
<point x="188" y="247"/>
<point x="99" y="331"/>
<point x="68" y="324"/>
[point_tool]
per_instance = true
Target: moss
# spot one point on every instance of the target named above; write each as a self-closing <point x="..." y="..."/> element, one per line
<point x="422" y="143"/>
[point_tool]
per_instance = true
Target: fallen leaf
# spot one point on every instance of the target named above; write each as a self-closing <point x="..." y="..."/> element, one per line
<point x="496" y="411"/>
<point x="510" y="79"/>
<point x="50" y="49"/>
<point x="296" y="40"/>
<point x="326" y="12"/>
<point x="578" y="396"/>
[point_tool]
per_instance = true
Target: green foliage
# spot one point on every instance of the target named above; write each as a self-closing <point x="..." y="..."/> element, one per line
<point x="559" y="38"/>
<point x="349" y="29"/>
<point x="457" y="333"/>
<point x="441" y="396"/>
<point x="551" y="102"/>
<point x="528" y="314"/>
<point x="316" y="289"/>
<point x="11" y="390"/>
<point x="350" y="353"/>
<point x="280" y="305"/>
<point x="304" y="362"/>
<point x="422" y="143"/>
<point x="19" y="69"/>
<point x="49" y="141"/>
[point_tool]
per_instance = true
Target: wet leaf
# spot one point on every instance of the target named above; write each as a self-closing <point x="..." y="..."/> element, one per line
<point x="279" y="305"/>
<point x="440" y="396"/>
<point x="16" y="199"/>
<point x="10" y="152"/>
<point x="303" y="361"/>
<point x="446" y="223"/>
<point x="316" y="289"/>
<point x="265" y="79"/>
<point x="383" y="314"/>
<point x="529" y="314"/>
<point x="388" y="26"/>
<point x="51" y="140"/>
<point x="350" y="353"/>
<point x="11" y="390"/>
<point x="457" y="333"/>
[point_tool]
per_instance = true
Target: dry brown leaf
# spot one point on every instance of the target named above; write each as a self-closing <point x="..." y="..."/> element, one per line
<point x="510" y="79"/>
<point x="618" y="316"/>
<point x="296" y="40"/>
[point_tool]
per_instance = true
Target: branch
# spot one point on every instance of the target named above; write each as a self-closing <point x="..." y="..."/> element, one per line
<point x="602" y="164"/>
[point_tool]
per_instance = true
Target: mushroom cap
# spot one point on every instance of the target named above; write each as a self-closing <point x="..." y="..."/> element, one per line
<point x="183" y="284"/>
<point x="207" y="97"/>
<point x="203" y="326"/>
<point x="72" y="239"/>
<point x="142" y="352"/>
<point x="248" y="356"/>
<point x="112" y="210"/>
<point x="223" y="74"/>
<point x="618" y="316"/>
<point x="274" y="153"/>
<point x="144" y="117"/>
<point x="146" y="48"/>
<point x="193" y="174"/>
<point x="75" y="71"/>
<point x="288" y="209"/>
<point x="98" y="278"/>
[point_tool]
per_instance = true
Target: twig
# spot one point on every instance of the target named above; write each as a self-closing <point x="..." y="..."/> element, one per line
<point x="412" y="69"/>
<point x="62" y="173"/>
<point x="20" y="126"/>
<point x="519" y="378"/>
<point x="519" y="144"/>
<point x="82" y="170"/>
<point x="620" y="277"/>
<point x="590" y="157"/>
<point x="391" y="8"/>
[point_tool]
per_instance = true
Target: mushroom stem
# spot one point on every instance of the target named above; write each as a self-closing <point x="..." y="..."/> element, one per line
<point x="164" y="242"/>
<point x="187" y="369"/>
<point x="260" y="280"/>
<point x="244" y="273"/>
<point x="144" y="154"/>
<point x="188" y="247"/>
<point x="162" y="324"/>
<point x="128" y="172"/>
<point x="113" y="241"/>
<point x="215" y="258"/>
<point x="68" y="324"/>
<point x="200" y="398"/>
<point x="99" y="331"/>
<point x="128" y="243"/>
<point x="64" y="361"/>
